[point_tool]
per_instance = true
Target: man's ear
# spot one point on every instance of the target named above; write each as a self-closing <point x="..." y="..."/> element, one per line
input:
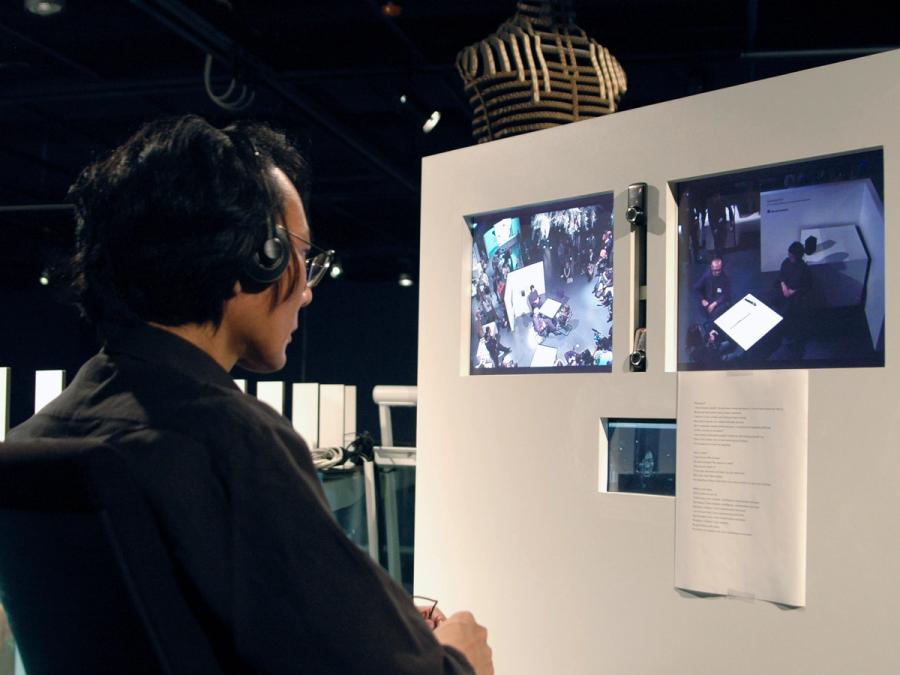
<point x="238" y="289"/>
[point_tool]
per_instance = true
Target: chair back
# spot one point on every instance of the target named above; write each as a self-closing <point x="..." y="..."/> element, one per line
<point x="85" y="576"/>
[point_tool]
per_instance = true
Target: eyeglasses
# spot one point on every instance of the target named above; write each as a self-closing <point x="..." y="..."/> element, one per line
<point x="432" y="601"/>
<point x="318" y="264"/>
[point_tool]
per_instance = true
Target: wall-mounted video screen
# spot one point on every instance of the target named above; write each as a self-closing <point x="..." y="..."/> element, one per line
<point x="641" y="456"/>
<point x="542" y="287"/>
<point x="783" y="266"/>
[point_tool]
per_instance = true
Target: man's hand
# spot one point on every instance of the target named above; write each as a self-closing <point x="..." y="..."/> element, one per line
<point x="462" y="632"/>
<point x="704" y="303"/>
<point x="710" y="308"/>
<point x="432" y="615"/>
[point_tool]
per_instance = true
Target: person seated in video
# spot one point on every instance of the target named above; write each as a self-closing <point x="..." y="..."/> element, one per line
<point x="713" y="289"/>
<point x="544" y="326"/>
<point x="707" y="345"/>
<point x="563" y="316"/>
<point x="794" y="284"/>
<point x="494" y="346"/>
<point x="571" y="355"/>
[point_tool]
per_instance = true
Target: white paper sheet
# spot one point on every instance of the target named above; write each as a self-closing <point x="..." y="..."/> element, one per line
<point x="748" y="320"/>
<point x="741" y="484"/>
<point x="544" y="357"/>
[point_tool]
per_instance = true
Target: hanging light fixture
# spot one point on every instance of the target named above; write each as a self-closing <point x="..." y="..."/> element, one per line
<point x="538" y="70"/>
<point x="336" y="269"/>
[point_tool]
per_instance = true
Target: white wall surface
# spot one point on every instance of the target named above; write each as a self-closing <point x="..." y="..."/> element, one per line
<point x="807" y="206"/>
<point x="509" y="521"/>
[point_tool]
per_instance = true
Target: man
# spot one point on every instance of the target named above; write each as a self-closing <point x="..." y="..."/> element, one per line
<point x="713" y="290"/>
<point x="191" y="248"/>
<point x="795" y="284"/>
<point x="534" y="298"/>
<point x="494" y="346"/>
<point x="794" y="277"/>
<point x="720" y="224"/>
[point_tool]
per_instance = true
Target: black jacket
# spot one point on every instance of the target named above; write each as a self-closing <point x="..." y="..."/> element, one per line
<point x="272" y="577"/>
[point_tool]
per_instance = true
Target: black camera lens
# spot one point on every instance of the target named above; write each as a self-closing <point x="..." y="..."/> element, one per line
<point x="638" y="360"/>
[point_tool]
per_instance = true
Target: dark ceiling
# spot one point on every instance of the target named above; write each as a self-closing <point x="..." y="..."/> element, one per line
<point x="75" y="84"/>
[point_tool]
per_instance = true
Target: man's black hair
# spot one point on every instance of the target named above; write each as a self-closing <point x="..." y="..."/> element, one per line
<point x="166" y="222"/>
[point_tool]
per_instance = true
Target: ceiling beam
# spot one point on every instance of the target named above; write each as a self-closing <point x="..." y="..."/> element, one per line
<point x="209" y="39"/>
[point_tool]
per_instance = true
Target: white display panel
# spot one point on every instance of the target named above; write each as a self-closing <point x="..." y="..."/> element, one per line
<point x="48" y="384"/>
<point x="4" y="402"/>
<point x="509" y="520"/>
<point x="305" y="411"/>
<point x="271" y="393"/>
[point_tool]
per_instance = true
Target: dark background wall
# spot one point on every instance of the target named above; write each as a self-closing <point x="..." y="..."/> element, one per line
<point x="362" y="333"/>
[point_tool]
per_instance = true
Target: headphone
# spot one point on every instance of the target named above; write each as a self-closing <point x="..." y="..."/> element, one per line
<point x="268" y="262"/>
<point x="266" y="265"/>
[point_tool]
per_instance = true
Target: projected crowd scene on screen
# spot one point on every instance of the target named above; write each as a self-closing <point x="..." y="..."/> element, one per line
<point x="783" y="267"/>
<point x="542" y="287"/>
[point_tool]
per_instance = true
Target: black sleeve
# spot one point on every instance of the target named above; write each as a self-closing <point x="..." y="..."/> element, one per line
<point x="274" y="576"/>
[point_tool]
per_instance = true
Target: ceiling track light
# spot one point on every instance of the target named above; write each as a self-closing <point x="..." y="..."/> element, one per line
<point x="45" y="7"/>
<point x="405" y="280"/>
<point x="425" y="121"/>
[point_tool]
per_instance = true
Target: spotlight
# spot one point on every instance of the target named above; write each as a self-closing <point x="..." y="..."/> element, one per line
<point x="44" y="279"/>
<point x="405" y="280"/>
<point x="427" y="122"/>
<point x="45" y="7"/>
<point x="391" y="9"/>
<point x="431" y="122"/>
<point x="336" y="269"/>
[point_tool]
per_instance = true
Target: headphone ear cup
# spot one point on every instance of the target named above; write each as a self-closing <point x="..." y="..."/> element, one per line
<point x="268" y="263"/>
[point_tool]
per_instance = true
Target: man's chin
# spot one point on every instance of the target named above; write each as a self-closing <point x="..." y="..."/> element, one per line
<point x="262" y="366"/>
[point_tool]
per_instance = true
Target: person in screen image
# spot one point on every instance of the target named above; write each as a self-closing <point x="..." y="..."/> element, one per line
<point x="794" y="285"/>
<point x="570" y="357"/>
<point x="563" y="316"/>
<point x="494" y="346"/>
<point x="193" y="255"/>
<point x="602" y="355"/>
<point x="713" y="290"/>
<point x="719" y="223"/>
<point x="708" y="346"/>
<point x="544" y="326"/>
<point x="534" y="298"/>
